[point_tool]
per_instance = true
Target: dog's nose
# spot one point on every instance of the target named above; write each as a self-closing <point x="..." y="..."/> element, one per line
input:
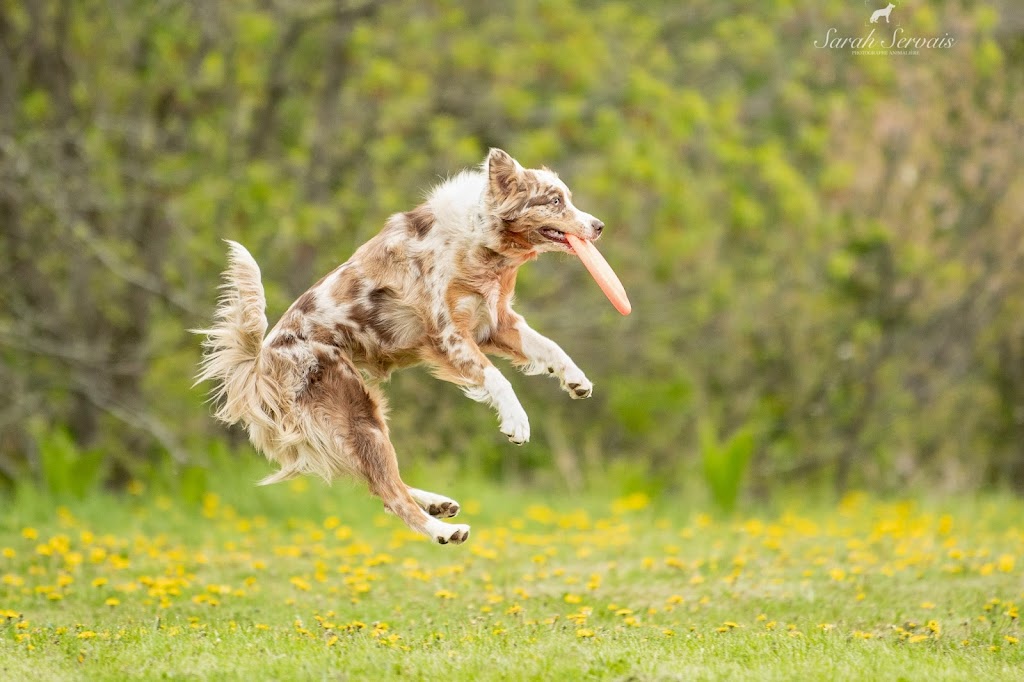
<point x="598" y="227"/>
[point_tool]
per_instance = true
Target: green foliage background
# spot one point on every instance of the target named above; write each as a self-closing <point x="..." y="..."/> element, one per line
<point x="823" y="249"/>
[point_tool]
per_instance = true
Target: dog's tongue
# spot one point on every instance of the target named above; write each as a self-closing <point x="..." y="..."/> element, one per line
<point x="601" y="272"/>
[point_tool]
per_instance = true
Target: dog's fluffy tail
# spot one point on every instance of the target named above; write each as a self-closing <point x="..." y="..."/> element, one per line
<point x="232" y="345"/>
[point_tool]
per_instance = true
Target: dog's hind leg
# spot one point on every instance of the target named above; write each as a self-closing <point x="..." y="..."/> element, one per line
<point x="438" y="506"/>
<point x="348" y="434"/>
<point x="380" y="470"/>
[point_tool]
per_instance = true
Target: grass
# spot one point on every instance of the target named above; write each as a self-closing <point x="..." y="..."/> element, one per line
<point x="304" y="582"/>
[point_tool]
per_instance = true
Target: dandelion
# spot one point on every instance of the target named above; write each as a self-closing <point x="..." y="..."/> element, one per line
<point x="112" y="601"/>
<point x="1010" y="639"/>
<point x="86" y="634"/>
<point x="633" y="502"/>
<point x="584" y="633"/>
<point x="445" y="594"/>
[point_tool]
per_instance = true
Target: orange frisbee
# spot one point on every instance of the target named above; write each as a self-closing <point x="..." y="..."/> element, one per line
<point x="601" y="272"/>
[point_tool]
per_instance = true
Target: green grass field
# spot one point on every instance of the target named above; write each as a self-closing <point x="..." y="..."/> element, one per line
<point x="302" y="582"/>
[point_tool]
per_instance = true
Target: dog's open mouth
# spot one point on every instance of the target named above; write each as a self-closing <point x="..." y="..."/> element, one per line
<point x="551" y="234"/>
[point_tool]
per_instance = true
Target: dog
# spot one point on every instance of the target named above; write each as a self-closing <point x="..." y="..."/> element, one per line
<point x="434" y="287"/>
<point x="884" y="12"/>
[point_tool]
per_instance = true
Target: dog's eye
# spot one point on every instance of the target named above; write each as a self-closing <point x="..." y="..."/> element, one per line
<point x="556" y="201"/>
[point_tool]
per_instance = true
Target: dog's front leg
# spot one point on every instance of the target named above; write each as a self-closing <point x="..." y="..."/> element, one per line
<point x="460" y="360"/>
<point x="535" y="353"/>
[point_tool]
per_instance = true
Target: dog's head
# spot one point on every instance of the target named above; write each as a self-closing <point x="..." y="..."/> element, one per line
<point x="534" y="207"/>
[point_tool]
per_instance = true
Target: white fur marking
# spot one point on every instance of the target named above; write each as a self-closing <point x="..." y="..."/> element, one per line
<point x="497" y="392"/>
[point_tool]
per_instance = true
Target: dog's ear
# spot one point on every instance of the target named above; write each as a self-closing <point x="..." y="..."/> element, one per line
<point x="505" y="183"/>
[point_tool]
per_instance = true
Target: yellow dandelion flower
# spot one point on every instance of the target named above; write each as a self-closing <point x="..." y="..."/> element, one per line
<point x="571" y="598"/>
<point x="86" y="634"/>
<point x="927" y="605"/>
<point x="584" y="633"/>
<point x="445" y="594"/>
<point x="675" y="599"/>
<point x="914" y="639"/>
<point x="29" y="533"/>
<point x="1010" y="639"/>
<point x="633" y="502"/>
<point x="99" y="582"/>
<point x="9" y="553"/>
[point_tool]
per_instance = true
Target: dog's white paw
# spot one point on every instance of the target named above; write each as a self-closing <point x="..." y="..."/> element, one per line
<point x="451" y="533"/>
<point x="576" y="384"/>
<point x="438" y="506"/>
<point x="443" y="510"/>
<point x="517" y="427"/>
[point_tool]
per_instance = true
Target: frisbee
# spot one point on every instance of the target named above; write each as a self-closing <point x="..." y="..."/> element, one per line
<point x="601" y="272"/>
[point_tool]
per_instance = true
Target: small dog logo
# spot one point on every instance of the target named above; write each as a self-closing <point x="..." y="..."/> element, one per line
<point x="884" y="12"/>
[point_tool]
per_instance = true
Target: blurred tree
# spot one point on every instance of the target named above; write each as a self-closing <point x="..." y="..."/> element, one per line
<point x="823" y="248"/>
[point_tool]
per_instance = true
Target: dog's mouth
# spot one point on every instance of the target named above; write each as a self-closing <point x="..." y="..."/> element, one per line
<point x="553" y="235"/>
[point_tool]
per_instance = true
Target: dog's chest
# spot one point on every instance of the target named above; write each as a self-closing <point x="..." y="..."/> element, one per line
<point x="480" y="309"/>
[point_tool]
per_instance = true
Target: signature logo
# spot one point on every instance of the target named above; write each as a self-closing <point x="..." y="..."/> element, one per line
<point x="895" y="41"/>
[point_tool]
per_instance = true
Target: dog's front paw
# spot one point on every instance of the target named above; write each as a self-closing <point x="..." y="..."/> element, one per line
<point x="451" y="533"/>
<point x="576" y="384"/>
<point x="516" y="427"/>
